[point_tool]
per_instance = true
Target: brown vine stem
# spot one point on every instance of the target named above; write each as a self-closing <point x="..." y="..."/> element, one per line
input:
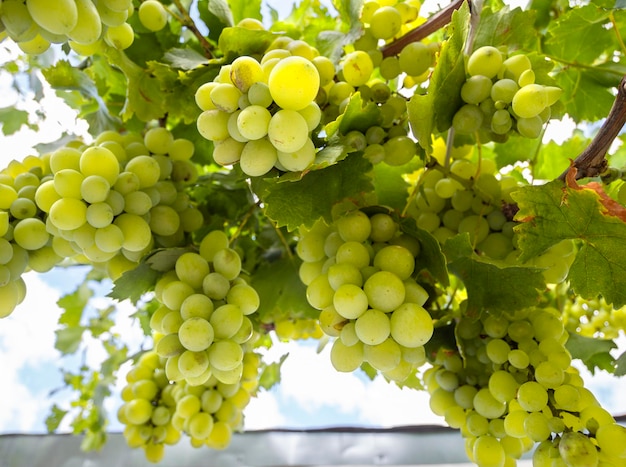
<point x="187" y="21"/>
<point x="434" y="23"/>
<point x="592" y="161"/>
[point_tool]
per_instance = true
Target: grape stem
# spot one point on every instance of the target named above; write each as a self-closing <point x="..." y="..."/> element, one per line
<point x="186" y="20"/>
<point x="434" y="23"/>
<point x="592" y="161"/>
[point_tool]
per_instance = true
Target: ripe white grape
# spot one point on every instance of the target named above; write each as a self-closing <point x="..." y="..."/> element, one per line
<point x="288" y="131"/>
<point x="59" y="17"/>
<point x="152" y="15"/>
<point x="294" y="83"/>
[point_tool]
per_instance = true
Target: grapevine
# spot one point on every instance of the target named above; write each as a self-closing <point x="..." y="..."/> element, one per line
<point x="379" y="180"/>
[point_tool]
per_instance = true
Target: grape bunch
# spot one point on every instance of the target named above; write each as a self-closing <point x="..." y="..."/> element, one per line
<point x="501" y="96"/>
<point x="202" y="326"/>
<point x="289" y="329"/>
<point x="262" y="114"/>
<point x="114" y="200"/>
<point x="24" y="240"/>
<point x="156" y="412"/>
<point x="359" y="274"/>
<point x="469" y="198"/>
<point x="593" y="318"/>
<point x="511" y="385"/>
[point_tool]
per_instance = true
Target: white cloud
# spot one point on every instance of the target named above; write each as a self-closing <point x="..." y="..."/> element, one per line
<point x="263" y="412"/>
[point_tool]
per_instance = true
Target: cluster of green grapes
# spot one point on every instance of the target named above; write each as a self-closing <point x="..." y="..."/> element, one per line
<point x="513" y="387"/>
<point x="107" y="204"/>
<point x="290" y="329"/>
<point x="358" y="273"/>
<point x="468" y="198"/>
<point x="35" y="24"/>
<point x="501" y="96"/>
<point x="387" y="20"/>
<point x="593" y="318"/>
<point x="261" y="114"/>
<point x="202" y="326"/>
<point x="157" y="411"/>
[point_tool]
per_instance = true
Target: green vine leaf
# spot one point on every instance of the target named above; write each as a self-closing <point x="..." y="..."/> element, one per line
<point x="292" y="204"/>
<point x="594" y="353"/>
<point x="54" y="418"/>
<point x="12" y="119"/>
<point x="489" y="286"/>
<point x="431" y="257"/>
<point x="550" y="213"/>
<point x="134" y="283"/>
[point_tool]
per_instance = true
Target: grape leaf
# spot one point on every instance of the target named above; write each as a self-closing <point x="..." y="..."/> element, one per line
<point x="245" y="9"/>
<point x="584" y="25"/>
<point x="216" y="15"/>
<point x="270" y="375"/>
<point x="12" y="119"/>
<point x="430" y="258"/>
<point x="185" y="59"/>
<point x="593" y="352"/>
<point x="435" y="109"/>
<point x="73" y="305"/>
<point x="68" y="339"/>
<point x="134" y="283"/>
<point x="355" y="117"/>
<point x="550" y="213"/>
<point x="489" y="286"/>
<point x="391" y="188"/>
<point x="293" y="204"/>
<point x="554" y="158"/>
<point x="143" y="93"/>
<point x="620" y="365"/>
<point x="513" y="28"/>
<point x="583" y="97"/>
<point x="282" y="293"/>
<point x="54" y="418"/>
<point x="236" y="41"/>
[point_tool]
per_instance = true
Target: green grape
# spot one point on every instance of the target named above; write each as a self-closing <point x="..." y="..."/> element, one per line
<point x="213" y="124"/>
<point x="112" y="15"/>
<point x="200" y="425"/>
<point x="537" y="427"/>
<point x="577" y="450"/>
<point x="137" y="202"/>
<point x="227" y="262"/>
<point x="226" y="321"/>
<point x="288" y="130"/>
<point x="68" y="213"/>
<point x="530" y="127"/>
<point x="468" y="119"/>
<point x="476" y="89"/>
<point x="23" y="208"/>
<point x="100" y="161"/>
<point x="220" y="436"/>
<point x="395" y="259"/>
<point x="354" y="226"/>
<point x="353" y="253"/>
<point x="415" y="58"/>
<point x="9" y="298"/>
<point x="385" y="22"/>
<point x="346" y="358"/>
<point x="343" y="273"/>
<point x="350" y="301"/>
<point x="514" y="66"/>
<point x="211" y="243"/>
<point x="109" y="238"/>
<point x="225" y="97"/>
<point x="476" y="226"/>
<point x="152" y="15"/>
<point x="611" y="440"/>
<point x="137" y="233"/>
<point x="259" y="94"/>
<point x="67" y="183"/>
<point x="164" y="220"/>
<point x="17" y="21"/>
<point x="192" y="364"/>
<point x="529" y="101"/>
<point x="488" y="452"/>
<point x="258" y="157"/>
<point x="228" y="151"/>
<point x="196" y="305"/>
<point x="487" y="405"/>
<point x="58" y="18"/>
<point x="202" y="96"/>
<point x="298" y="160"/>
<point x="158" y="140"/>
<point x="501" y="122"/>
<point x="320" y="294"/>
<point x="99" y="215"/>
<point x="411" y="325"/>
<point x="357" y="67"/>
<point x="120" y="37"/>
<point x="245" y="297"/>
<point x="192" y="268"/>
<point x="399" y="150"/>
<point x="94" y="189"/>
<point x="532" y="396"/>
<point x="384" y="290"/>
<point x="486" y="60"/>
<point x="504" y="90"/>
<point x="253" y="122"/>
<point x="390" y="68"/>
<point x="138" y="411"/>
<point x="372" y="327"/>
<point x="195" y="334"/>
<point x="383" y="227"/>
<point x="498" y="351"/>
<point x="294" y="83"/>
<point x="225" y="355"/>
<point x="88" y="26"/>
<point x="339" y="92"/>
<point x="384" y="356"/>
<point x="503" y="386"/>
<point x="312" y="114"/>
<point x="325" y="69"/>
